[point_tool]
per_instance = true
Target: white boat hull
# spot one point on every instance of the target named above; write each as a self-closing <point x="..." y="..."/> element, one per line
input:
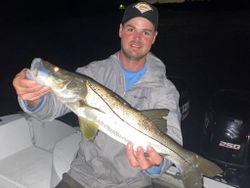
<point x="35" y="154"/>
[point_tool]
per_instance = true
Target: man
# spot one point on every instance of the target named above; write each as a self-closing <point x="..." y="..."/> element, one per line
<point x="137" y="76"/>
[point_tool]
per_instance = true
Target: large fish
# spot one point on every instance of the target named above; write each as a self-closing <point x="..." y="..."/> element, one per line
<point x="98" y="108"/>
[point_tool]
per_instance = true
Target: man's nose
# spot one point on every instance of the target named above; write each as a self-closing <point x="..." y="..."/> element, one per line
<point x="138" y="35"/>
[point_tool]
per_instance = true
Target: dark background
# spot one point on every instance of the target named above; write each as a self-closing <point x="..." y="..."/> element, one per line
<point x="206" y="44"/>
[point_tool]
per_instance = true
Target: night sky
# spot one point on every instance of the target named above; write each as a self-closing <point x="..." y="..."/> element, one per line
<point x="208" y="44"/>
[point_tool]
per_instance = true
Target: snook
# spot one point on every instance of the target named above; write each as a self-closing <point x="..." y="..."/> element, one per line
<point x="98" y="108"/>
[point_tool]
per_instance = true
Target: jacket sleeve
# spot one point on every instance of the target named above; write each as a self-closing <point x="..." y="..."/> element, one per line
<point x="168" y="97"/>
<point x="49" y="108"/>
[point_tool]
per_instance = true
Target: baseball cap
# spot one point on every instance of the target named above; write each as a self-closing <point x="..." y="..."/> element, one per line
<point x="141" y="9"/>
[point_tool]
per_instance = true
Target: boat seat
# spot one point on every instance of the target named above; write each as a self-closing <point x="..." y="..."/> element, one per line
<point x="26" y="147"/>
<point x="26" y="168"/>
<point x="63" y="154"/>
<point x="22" y="164"/>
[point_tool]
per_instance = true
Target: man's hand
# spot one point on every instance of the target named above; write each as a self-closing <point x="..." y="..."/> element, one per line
<point x="139" y="159"/>
<point x="28" y="90"/>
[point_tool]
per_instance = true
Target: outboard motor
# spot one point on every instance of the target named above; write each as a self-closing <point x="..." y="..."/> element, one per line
<point x="227" y="134"/>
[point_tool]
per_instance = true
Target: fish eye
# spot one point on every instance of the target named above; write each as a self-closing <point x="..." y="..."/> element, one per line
<point x="56" y="69"/>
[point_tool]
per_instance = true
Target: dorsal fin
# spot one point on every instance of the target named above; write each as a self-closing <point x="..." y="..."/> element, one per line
<point x="156" y="116"/>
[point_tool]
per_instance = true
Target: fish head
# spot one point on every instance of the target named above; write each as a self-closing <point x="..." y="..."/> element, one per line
<point x="64" y="83"/>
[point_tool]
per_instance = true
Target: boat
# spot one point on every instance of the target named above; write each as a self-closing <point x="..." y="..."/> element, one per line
<point x="35" y="154"/>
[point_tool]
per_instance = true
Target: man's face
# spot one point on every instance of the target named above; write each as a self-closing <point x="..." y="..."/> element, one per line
<point x="137" y="36"/>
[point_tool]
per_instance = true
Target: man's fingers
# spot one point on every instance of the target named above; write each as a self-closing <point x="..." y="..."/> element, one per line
<point x="34" y="95"/>
<point x="131" y="155"/>
<point x="36" y="88"/>
<point x="143" y="160"/>
<point x="151" y="158"/>
<point x="23" y="85"/>
<point x="27" y="89"/>
<point x="155" y="158"/>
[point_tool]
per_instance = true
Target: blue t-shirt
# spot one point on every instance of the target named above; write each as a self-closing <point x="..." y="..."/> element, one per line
<point x="131" y="77"/>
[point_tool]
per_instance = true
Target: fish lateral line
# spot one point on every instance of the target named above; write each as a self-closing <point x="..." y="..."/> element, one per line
<point x="122" y="119"/>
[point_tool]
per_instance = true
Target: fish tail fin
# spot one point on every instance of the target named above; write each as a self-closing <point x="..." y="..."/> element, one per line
<point x="194" y="167"/>
<point x="206" y="167"/>
<point x="191" y="177"/>
<point x="189" y="174"/>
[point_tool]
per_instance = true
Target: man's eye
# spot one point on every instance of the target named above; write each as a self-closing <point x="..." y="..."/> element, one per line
<point x="147" y="33"/>
<point x="130" y="29"/>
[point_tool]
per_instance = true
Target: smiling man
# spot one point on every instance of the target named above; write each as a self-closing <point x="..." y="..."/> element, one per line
<point x="138" y="77"/>
<point x="137" y="34"/>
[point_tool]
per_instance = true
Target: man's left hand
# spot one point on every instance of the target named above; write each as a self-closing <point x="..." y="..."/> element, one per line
<point x="139" y="159"/>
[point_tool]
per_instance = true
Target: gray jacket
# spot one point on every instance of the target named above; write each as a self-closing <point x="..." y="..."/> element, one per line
<point x="103" y="163"/>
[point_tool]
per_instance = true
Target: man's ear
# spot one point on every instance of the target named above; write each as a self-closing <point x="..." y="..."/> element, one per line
<point x="120" y="30"/>
<point x="156" y="33"/>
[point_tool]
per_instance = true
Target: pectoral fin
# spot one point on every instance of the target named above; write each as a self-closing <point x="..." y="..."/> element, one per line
<point x="156" y="116"/>
<point x="88" y="128"/>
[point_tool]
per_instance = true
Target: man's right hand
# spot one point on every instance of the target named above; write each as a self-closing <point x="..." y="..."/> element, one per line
<point x="27" y="89"/>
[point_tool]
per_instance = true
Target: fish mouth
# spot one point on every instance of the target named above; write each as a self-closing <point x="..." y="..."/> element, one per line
<point x="38" y="70"/>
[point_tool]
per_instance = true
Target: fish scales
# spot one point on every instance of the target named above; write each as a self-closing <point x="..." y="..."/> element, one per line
<point x="98" y="108"/>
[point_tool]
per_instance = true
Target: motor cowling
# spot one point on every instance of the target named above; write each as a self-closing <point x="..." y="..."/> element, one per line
<point x="227" y="129"/>
<point x="227" y="135"/>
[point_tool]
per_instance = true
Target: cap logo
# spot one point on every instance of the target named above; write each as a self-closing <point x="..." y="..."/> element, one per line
<point x="143" y="7"/>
